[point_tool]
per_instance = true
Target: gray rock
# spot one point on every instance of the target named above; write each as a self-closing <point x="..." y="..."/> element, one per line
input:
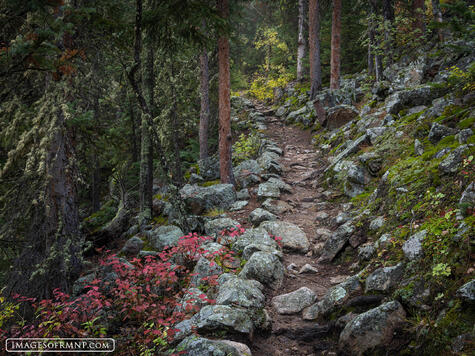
<point x="418" y="147"/>
<point x="352" y="147"/>
<point x="365" y="252"/>
<point x="192" y="298"/>
<point x="268" y="190"/>
<point x="384" y="241"/>
<point x="201" y="199"/>
<point x="416" y="109"/>
<point x="357" y="175"/>
<point x="281" y="111"/>
<point x="162" y="236"/>
<point x="467" y="291"/>
<point x="372" y="329"/>
<point x="323" y="234"/>
<point x="133" y="246"/>
<point x="247" y="173"/>
<point x="388" y="120"/>
<point x="321" y="216"/>
<point x="265" y="268"/>
<point x="210" y="248"/>
<point x="374" y="133"/>
<point x="353" y="189"/>
<point x="410" y="98"/>
<point x="195" y="178"/>
<point x="438" y="132"/>
<point x="276" y="206"/>
<point x="372" y="162"/>
<point x="238" y="205"/>
<point x="467" y="200"/>
<point x="442" y="153"/>
<point x="384" y="278"/>
<point x="342" y="218"/>
<point x="245" y="293"/>
<point x="335" y="297"/>
<point x="413" y="247"/>
<point x="204" y="268"/>
<point x="294" y="302"/>
<point x="215" y="226"/>
<point x="292" y="116"/>
<point x="258" y="237"/>
<point x="464" y="135"/>
<point x="260" y="215"/>
<point x="336" y="242"/>
<point x="243" y="349"/>
<point x="293" y="238"/>
<point x="80" y="284"/>
<point x="307" y="268"/>
<point x="209" y="168"/>
<point x="268" y="162"/>
<point x="224" y="317"/>
<point x="377" y="223"/>
<point x="243" y="194"/>
<point x="283" y="187"/>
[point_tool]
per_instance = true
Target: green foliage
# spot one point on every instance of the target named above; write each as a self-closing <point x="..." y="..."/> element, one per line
<point x="246" y="147"/>
<point x="210" y="183"/>
<point x="463" y="81"/>
<point x="101" y="217"/>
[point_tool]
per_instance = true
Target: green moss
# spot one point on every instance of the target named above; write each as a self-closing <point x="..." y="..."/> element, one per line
<point x="214" y="212"/>
<point x="101" y="217"/>
<point x="466" y="123"/>
<point x="160" y="220"/>
<point x="210" y="183"/>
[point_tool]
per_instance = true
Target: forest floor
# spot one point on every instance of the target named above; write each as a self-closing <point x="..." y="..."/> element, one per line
<point x="303" y="168"/>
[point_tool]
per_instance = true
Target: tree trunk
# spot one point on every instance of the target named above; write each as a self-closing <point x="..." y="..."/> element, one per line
<point x="96" y="185"/>
<point x="314" y="45"/>
<point x="301" y="41"/>
<point x="437" y="12"/>
<point x="375" y="38"/>
<point x="370" y="48"/>
<point x="134" y="139"/>
<point x="335" y="46"/>
<point x="204" y="112"/>
<point x="388" y="16"/>
<point x="418" y="9"/>
<point x="178" y="175"/>
<point x="225" y="137"/>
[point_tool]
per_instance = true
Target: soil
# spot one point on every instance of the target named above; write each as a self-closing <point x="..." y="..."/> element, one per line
<point x="303" y="168"/>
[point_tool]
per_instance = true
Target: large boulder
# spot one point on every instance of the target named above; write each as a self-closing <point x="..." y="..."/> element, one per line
<point x="340" y="115"/>
<point x="199" y="346"/>
<point x="384" y="278"/>
<point x="225" y="318"/>
<point x="410" y="98"/>
<point x="336" y="242"/>
<point x="215" y="226"/>
<point x="247" y="173"/>
<point x="245" y="293"/>
<point x="333" y="298"/>
<point x="201" y="199"/>
<point x="294" y="302"/>
<point x="260" y="215"/>
<point x="372" y="329"/>
<point x="254" y="240"/>
<point x="293" y="238"/>
<point x="162" y="236"/>
<point x="264" y="267"/>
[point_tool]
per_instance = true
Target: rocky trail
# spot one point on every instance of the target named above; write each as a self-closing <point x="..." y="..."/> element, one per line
<point x="307" y="205"/>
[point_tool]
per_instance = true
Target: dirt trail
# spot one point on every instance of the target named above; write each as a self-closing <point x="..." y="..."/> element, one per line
<point x="302" y="169"/>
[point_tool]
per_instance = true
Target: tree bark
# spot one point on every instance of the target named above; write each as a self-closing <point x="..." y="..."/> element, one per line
<point x="388" y="16"/>
<point x="314" y="45"/>
<point x="178" y="175"/>
<point x="418" y="9"/>
<point x="437" y="12"/>
<point x="370" y="48"/>
<point x="204" y="112"/>
<point x="335" y="46"/>
<point x="224" y="105"/>
<point x="375" y="38"/>
<point x="301" y="41"/>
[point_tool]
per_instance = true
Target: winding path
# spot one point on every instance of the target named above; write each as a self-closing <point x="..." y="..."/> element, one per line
<point x="311" y="210"/>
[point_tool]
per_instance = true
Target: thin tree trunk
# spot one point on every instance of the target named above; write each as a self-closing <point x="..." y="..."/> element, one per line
<point x="314" y="45"/>
<point x="418" y="8"/>
<point x="376" y="48"/>
<point x="96" y="184"/>
<point x="437" y="12"/>
<point x="370" y="48"/>
<point x="225" y="137"/>
<point x="301" y="41"/>
<point x="149" y="83"/>
<point x="134" y="139"/>
<point x="335" y="46"/>
<point x="388" y="16"/>
<point x="204" y="112"/>
<point x="178" y="175"/>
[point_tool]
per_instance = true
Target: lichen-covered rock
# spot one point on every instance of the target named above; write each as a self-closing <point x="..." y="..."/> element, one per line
<point x="413" y="246"/>
<point x="193" y="299"/>
<point x="276" y="206"/>
<point x="467" y="200"/>
<point x="209" y="168"/>
<point x="375" y="133"/>
<point x="377" y="223"/>
<point x="204" y="268"/>
<point x="438" y="132"/>
<point x="201" y="199"/>
<point x="340" y="115"/>
<point x="133" y="246"/>
<point x="224" y="317"/>
<point x="199" y="346"/>
<point x="464" y="135"/>
<point x="293" y="238"/>
<point x="243" y="194"/>
<point x="268" y="190"/>
<point x="258" y="237"/>
<point x="213" y="227"/>
<point x="451" y="163"/>
<point x="336" y="242"/>
<point x="351" y="147"/>
<point x="365" y="252"/>
<point x="260" y="215"/>
<point x="418" y="147"/>
<point x="245" y="293"/>
<point x="162" y="236"/>
<point x="467" y="291"/>
<point x="333" y="298"/>
<point x="294" y="302"/>
<point x="264" y="267"/>
<point x="383" y="279"/>
<point x="410" y="98"/>
<point x="238" y="205"/>
<point x="279" y="183"/>
<point x="372" y="329"/>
